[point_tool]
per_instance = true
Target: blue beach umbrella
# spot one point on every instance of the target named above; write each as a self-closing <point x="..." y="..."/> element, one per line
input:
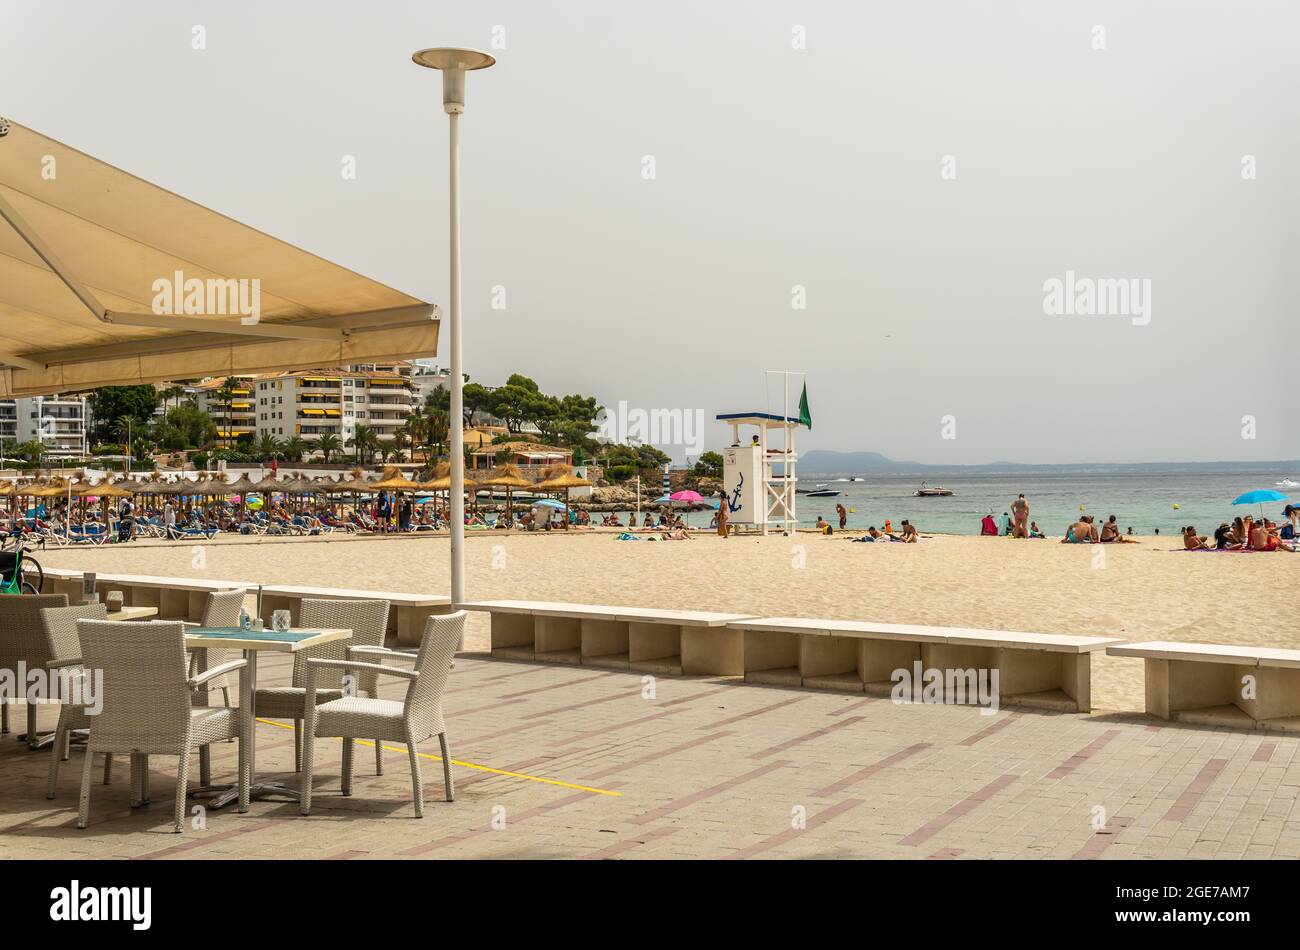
<point x="549" y="503"/>
<point x="1258" y="497"/>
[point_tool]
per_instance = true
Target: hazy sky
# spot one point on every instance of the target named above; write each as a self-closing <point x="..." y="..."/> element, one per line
<point x="775" y="167"/>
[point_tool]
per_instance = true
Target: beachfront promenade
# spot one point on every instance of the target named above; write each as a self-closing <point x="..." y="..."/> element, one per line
<point x="557" y="760"/>
<point x="571" y="762"/>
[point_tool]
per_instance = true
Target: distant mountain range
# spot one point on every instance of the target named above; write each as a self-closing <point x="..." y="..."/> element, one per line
<point x="823" y="462"/>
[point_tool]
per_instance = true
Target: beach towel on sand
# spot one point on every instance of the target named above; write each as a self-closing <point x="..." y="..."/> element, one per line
<point x="1219" y="550"/>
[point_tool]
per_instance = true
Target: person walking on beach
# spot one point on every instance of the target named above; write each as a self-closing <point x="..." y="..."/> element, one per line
<point x="722" y="514"/>
<point x="844" y="515"/>
<point x="1020" y="507"/>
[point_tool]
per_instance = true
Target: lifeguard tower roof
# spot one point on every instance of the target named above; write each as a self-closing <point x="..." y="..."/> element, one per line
<point x="768" y="420"/>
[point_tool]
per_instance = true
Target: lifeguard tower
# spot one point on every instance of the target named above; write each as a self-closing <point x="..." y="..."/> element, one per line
<point x="760" y="467"/>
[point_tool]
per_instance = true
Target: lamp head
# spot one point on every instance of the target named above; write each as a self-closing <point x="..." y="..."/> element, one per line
<point x="454" y="63"/>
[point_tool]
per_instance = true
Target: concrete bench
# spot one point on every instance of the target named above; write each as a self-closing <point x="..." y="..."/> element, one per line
<point x="177" y="598"/>
<point x="406" y="613"/>
<point x="667" y="642"/>
<point x="1212" y="685"/>
<point x="1044" y="670"/>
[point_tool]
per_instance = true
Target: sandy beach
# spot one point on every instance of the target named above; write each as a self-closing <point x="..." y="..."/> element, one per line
<point x="1136" y="591"/>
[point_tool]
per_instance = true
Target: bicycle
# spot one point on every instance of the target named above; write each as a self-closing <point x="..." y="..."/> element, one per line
<point x="20" y="573"/>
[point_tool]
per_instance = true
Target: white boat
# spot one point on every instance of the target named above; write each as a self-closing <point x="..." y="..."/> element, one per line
<point x="1288" y="483"/>
<point x="821" y="491"/>
<point x="938" y="491"/>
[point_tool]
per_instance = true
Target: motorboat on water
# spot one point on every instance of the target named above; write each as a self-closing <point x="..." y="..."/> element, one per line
<point x="937" y="491"/>
<point x="1288" y="483"/>
<point x="821" y="491"/>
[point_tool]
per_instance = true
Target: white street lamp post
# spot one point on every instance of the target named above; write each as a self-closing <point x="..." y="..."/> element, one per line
<point x="454" y="63"/>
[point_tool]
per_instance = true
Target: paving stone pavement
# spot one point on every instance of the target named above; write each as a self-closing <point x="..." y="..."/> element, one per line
<point x="561" y="762"/>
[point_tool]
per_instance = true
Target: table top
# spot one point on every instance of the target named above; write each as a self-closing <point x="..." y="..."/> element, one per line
<point x="132" y="613"/>
<point x="235" y="638"/>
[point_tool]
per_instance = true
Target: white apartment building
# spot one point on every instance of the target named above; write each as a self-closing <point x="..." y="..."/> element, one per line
<point x="59" y="422"/>
<point x="317" y="402"/>
<point x="426" y="377"/>
<point x="239" y="418"/>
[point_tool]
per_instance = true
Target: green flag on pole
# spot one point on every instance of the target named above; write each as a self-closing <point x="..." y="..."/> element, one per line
<point x="805" y="417"/>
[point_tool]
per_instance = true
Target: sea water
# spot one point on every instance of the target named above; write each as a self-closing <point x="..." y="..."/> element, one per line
<point x="1143" y="501"/>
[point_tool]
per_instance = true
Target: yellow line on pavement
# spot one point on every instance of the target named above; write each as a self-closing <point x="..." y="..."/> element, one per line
<point x="480" y="768"/>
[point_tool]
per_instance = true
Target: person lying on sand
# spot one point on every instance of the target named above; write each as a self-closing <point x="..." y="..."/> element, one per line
<point x="1193" y="541"/>
<point x="678" y="533"/>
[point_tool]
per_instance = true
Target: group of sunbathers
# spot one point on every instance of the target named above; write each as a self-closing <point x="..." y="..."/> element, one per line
<point x="1085" y="531"/>
<point x="908" y="535"/>
<point x="1244" y="534"/>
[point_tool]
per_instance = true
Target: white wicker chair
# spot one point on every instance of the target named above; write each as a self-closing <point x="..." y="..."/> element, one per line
<point x="222" y="609"/>
<point x="64" y="649"/>
<point x="22" y="640"/>
<point x="417" y="717"/>
<point x="148" y="705"/>
<point x="368" y="621"/>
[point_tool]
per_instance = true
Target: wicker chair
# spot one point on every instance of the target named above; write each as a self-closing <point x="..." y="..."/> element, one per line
<point x="368" y="621"/>
<point x="222" y="609"/>
<point x="64" y="649"/>
<point x="22" y="640"/>
<point x="148" y="705"/>
<point x="417" y="717"/>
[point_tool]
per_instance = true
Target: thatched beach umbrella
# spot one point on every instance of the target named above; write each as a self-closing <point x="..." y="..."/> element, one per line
<point x="394" y="480"/>
<point x="508" y="477"/>
<point x="563" y="479"/>
<point x="106" y="491"/>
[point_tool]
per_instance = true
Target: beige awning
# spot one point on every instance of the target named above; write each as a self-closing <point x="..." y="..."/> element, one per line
<point x="90" y="258"/>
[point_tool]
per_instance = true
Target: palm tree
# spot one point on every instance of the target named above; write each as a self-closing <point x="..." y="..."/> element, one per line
<point x="364" y="443"/>
<point x="327" y="445"/>
<point x="439" y="425"/>
<point x="416" y="427"/>
<point x="268" y="447"/>
<point x="32" y="450"/>
<point x="294" y="448"/>
<point x="401" y="439"/>
<point x="122" y="428"/>
<point x="172" y="392"/>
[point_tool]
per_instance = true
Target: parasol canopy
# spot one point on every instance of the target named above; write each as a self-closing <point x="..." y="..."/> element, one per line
<point x="394" y="480"/>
